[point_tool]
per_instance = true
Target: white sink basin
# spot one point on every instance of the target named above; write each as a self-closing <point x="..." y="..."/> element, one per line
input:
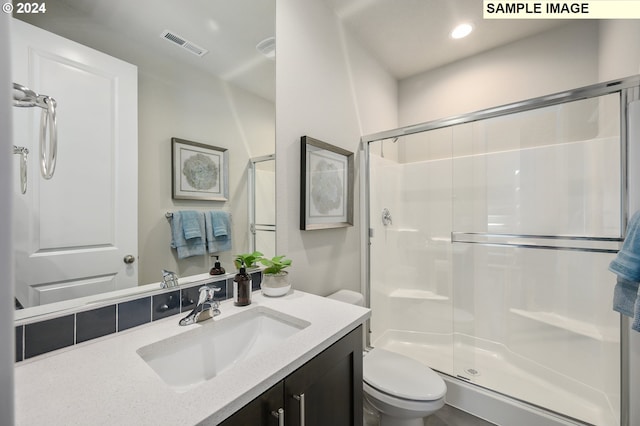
<point x="213" y="346"/>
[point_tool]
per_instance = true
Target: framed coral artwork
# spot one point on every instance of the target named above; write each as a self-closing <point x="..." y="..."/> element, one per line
<point x="326" y="187"/>
<point x="199" y="171"/>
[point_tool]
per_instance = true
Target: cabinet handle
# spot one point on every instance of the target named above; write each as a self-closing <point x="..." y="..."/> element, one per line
<point x="279" y="415"/>
<point x="300" y="398"/>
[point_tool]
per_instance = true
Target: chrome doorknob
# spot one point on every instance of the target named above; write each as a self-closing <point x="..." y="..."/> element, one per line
<point x="129" y="259"/>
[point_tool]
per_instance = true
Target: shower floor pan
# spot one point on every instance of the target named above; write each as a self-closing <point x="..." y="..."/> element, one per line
<point x="499" y="370"/>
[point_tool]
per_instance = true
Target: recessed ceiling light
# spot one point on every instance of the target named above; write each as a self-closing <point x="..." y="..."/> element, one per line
<point x="461" y="31"/>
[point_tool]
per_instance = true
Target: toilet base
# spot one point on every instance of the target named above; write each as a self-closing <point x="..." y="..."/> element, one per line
<point x="371" y="417"/>
<point x="395" y="421"/>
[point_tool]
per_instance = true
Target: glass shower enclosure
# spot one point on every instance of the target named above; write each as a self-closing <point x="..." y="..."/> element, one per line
<point x="490" y="237"/>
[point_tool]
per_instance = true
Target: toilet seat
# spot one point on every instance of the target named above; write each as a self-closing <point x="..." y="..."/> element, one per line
<point x="401" y="377"/>
<point x="400" y="407"/>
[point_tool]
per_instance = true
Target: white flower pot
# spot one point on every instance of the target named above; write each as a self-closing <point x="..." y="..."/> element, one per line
<point x="275" y="285"/>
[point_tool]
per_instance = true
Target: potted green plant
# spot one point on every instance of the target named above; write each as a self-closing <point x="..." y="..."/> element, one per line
<point x="275" y="280"/>
<point x="247" y="259"/>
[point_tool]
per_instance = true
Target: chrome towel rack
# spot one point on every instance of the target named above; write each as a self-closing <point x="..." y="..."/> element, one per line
<point x="169" y="215"/>
<point x="23" y="97"/>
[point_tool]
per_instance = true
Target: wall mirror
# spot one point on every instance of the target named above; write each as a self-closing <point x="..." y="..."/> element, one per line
<point x="204" y="72"/>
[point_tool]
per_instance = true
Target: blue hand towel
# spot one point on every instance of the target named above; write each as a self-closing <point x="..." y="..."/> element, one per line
<point x="218" y="229"/>
<point x="194" y="246"/>
<point x="220" y="222"/>
<point x="191" y="224"/>
<point x="626" y="265"/>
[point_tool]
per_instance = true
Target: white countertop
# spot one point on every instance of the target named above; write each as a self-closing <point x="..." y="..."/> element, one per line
<point x="105" y="381"/>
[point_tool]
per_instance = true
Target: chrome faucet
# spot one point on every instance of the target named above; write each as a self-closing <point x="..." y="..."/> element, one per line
<point x="205" y="308"/>
<point x="169" y="279"/>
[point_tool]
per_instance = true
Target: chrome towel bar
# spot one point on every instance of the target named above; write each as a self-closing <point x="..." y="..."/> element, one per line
<point x="555" y="242"/>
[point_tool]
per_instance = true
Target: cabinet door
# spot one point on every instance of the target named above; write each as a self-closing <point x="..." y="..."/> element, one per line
<point x="258" y="411"/>
<point x="328" y="389"/>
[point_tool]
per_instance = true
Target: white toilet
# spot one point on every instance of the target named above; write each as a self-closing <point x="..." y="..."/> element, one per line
<point x="401" y="389"/>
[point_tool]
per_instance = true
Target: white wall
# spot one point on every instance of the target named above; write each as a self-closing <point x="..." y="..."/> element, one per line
<point x="7" y="333"/>
<point x="557" y="60"/>
<point x="321" y="76"/>
<point x="618" y="49"/>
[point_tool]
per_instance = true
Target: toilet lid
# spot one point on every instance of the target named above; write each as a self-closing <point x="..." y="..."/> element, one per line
<point x="402" y="377"/>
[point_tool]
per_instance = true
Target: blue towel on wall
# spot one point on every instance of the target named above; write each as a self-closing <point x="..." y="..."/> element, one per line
<point x="626" y="266"/>
<point x="220" y="222"/>
<point x="218" y="228"/>
<point x="191" y="224"/>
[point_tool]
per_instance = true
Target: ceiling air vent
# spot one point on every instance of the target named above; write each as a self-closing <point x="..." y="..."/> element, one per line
<point x="184" y="43"/>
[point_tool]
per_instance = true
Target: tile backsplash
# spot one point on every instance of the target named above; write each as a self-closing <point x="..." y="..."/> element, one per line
<point x="40" y="337"/>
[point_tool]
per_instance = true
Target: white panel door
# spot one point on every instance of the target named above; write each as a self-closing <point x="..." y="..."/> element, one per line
<point x="72" y="232"/>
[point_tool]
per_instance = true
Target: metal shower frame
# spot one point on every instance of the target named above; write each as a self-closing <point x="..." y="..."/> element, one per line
<point x="253" y="226"/>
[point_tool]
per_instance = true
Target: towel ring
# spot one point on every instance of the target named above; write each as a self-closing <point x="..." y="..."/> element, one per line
<point x="24" y="97"/>
<point x="48" y="153"/>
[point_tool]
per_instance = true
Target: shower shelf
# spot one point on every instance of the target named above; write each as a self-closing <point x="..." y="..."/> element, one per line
<point x="605" y="334"/>
<point x="409" y="293"/>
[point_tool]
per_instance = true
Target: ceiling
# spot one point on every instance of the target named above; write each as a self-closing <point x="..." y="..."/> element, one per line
<point x="412" y="36"/>
<point x="131" y="29"/>
<point x="406" y="36"/>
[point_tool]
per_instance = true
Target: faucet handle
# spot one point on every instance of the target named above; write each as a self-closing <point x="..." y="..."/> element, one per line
<point x="207" y="293"/>
<point x="169" y="279"/>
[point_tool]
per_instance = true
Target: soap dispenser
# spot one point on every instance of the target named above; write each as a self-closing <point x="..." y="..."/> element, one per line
<point x="217" y="268"/>
<point x="242" y="287"/>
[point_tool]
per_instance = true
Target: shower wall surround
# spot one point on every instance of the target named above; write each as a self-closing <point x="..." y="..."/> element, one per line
<point x="494" y="269"/>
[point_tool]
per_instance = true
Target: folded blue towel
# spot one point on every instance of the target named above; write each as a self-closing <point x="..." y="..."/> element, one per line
<point x="218" y="230"/>
<point x="627" y="262"/>
<point x="186" y="247"/>
<point x="191" y="224"/>
<point x="220" y="222"/>
<point x="626" y="296"/>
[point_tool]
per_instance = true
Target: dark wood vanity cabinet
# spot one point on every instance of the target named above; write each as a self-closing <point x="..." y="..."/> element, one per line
<point x="327" y="390"/>
<point x="258" y="412"/>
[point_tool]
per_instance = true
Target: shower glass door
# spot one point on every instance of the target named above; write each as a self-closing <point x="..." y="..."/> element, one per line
<point x="492" y="264"/>
<point x="411" y="253"/>
<point x="536" y="221"/>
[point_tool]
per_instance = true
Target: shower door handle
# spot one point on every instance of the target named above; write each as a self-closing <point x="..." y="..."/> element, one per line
<point x="300" y="399"/>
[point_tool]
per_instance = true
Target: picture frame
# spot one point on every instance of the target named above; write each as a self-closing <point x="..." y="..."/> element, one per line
<point x="199" y="171"/>
<point x="326" y="185"/>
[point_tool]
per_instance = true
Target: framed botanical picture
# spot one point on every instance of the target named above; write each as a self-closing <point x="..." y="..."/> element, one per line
<point x="326" y="187"/>
<point x="199" y="171"/>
